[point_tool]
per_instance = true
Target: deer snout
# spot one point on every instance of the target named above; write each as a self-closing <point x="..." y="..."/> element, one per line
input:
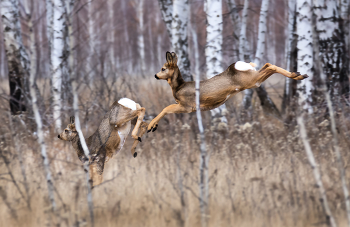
<point x="156" y="76"/>
<point x="59" y="136"/>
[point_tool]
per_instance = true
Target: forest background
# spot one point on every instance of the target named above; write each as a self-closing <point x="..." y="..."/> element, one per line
<point x="61" y="55"/>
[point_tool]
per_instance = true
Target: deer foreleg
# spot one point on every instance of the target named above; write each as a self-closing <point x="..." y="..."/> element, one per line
<point x="174" y="108"/>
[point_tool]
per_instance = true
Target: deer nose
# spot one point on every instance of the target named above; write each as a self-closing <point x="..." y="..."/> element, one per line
<point x="59" y="136"/>
<point x="156" y="76"/>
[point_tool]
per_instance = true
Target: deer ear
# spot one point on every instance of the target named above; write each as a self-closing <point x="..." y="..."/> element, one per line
<point x="169" y="57"/>
<point x="174" y="58"/>
<point x="72" y="120"/>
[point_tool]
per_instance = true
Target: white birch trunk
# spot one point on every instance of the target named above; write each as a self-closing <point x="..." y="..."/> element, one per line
<point x="316" y="171"/>
<point x="166" y="8"/>
<point x="305" y="52"/>
<point x="140" y="39"/>
<point x="203" y="159"/>
<point x="289" y="35"/>
<point x="129" y="64"/>
<point x="73" y="79"/>
<point x="334" y="132"/>
<point x="332" y="46"/>
<point x="213" y="50"/>
<point x="261" y="44"/>
<point x="91" y="44"/>
<point x="242" y="35"/>
<point x="196" y="53"/>
<point x="57" y="48"/>
<point x="246" y="102"/>
<point x="111" y="34"/>
<point x="179" y="36"/>
<point x="17" y="58"/>
<point x="38" y="120"/>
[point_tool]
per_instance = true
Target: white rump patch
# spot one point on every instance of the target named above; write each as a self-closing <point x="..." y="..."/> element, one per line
<point x="242" y="66"/>
<point x="127" y="103"/>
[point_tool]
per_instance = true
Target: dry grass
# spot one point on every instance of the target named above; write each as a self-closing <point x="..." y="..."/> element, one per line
<point x="259" y="174"/>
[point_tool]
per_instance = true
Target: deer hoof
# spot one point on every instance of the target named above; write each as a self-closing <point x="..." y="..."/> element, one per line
<point x="155" y="128"/>
<point x="139" y="139"/>
<point x="305" y="76"/>
<point x="149" y="130"/>
<point x="135" y="154"/>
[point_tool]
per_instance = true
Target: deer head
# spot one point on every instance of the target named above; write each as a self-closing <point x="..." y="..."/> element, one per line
<point x="70" y="132"/>
<point x="168" y="69"/>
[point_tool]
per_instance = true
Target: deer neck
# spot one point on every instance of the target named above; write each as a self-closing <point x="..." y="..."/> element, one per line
<point x="176" y="81"/>
<point x="76" y="143"/>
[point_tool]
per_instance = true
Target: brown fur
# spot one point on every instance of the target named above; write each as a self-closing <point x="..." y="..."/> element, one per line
<point x="106" y="141"/>
<point x="214" y="91"/>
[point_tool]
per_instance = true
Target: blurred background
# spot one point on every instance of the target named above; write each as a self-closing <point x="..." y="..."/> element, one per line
<point x="259" y="173"/>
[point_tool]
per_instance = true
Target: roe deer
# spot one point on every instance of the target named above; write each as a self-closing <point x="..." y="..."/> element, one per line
<point x="110" y="136"/>
<point x="214" y="91"/>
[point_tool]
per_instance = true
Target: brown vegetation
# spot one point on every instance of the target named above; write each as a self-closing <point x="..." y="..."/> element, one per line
<point x="258" y="175"/>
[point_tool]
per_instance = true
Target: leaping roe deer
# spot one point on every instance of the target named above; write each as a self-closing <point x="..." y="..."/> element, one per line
<point x="110" y="136"/>
<point x="214" y="91"/>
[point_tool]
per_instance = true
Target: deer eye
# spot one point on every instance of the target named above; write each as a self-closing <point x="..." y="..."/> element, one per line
<point x="66" y="130"/>
<point x="163" y="69"/>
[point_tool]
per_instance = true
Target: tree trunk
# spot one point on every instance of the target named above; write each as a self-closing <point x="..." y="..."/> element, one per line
<point x="305" y="52"/>
<point x="248" y="94"/>
<point x="38" y="119"/>
<point x="17" y="58"/>
<point x="57" y="60"/>
<point x="179" y="36"/>
<point x="73" y="79"/>
<point x="166" y="8"/>
<point x="268" y="105"/>
<point x="140" y="40"/>
<point x="290" y="52"/>
<point x="213" y="54"/>
<point x="331" y="41"/>
<point x="111" y="35"/>
<point x="204" y="161"/>
<point x="92" y="52"/>
<point x="234" y="15"/>
<point x="317" y="175"/>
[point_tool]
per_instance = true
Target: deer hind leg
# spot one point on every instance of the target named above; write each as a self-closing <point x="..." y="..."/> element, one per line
<point x="143" y="129"/>
<point x="268" y="69"/>
<point x="174" y="108"/>
<point x="140" y="116"/>
<point x="95" y="175"/>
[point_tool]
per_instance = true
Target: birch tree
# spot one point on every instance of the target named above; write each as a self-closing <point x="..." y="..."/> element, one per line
<point x="203" y="160"/>
<point x="179" y="36"/>
<point x="266" y="102"/>
<point x="91" y="44"/>
<point x="57" y="59"/>
<point x="166" y="8"/>
<point x="247" y="98"/>
<point x="111" y="33"/>
<point x="305" y="52"/>
<point x="17" y="58"/>
<point x="213" y="50"/>
<point x="316" y="172"/>
<point x="140" y="38"/>
<point x="290" y="50"/>
<point x="332" y="49"/>
<point x="236" y="21"/>
<point x="69" y="6"/>
<point x="38" y="120"/>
